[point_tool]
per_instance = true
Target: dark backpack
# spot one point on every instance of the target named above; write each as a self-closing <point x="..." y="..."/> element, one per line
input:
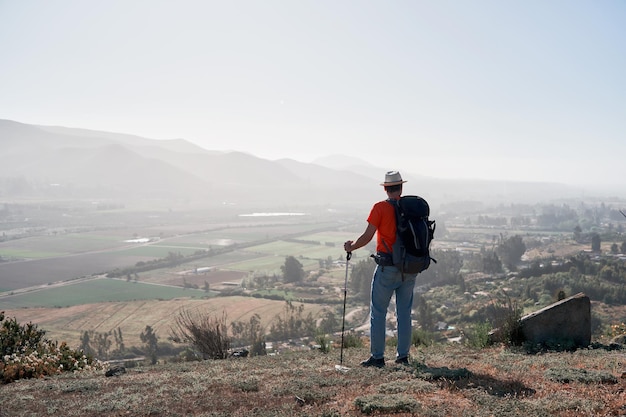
<point x="411" y="253"/>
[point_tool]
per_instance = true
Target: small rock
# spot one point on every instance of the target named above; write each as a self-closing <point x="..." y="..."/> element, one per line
<point x="115" y="371"/>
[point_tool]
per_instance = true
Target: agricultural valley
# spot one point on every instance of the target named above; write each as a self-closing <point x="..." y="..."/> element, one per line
<point x="86" y="269"/>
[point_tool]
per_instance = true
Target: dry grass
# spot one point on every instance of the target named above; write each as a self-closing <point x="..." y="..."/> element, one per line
<point x="132" y="317"/>
<point x="441" y="381"/>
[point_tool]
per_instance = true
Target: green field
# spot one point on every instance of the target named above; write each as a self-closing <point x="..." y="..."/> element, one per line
<point x="331" y="237"/>
<point x="282" y="248"/>
<point x="95" y="291"/>
<point x="244" y="234"/>
<point x="224" y="259"/>
<point x="59" y="245"/>
<point x="25" y="253"/>
<point x="268" y="265"/>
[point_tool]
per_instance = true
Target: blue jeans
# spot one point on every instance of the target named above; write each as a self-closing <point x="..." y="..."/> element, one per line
<point x="387" y="280"/>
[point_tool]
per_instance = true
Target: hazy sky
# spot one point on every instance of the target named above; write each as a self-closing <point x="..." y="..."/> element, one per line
<point x="525" y="90"/>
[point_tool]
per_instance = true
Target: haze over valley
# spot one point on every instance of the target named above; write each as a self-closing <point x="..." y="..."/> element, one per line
<point x="78" y="206"/>
<point x="112" y="168"/>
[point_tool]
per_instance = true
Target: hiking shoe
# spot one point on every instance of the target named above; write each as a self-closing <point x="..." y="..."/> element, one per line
<point x="402" y="361"/>
<point x="379" y="363"/>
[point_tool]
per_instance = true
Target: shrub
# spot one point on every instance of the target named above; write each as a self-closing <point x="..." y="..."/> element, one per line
<point x="387" y="403"/>
<point x="352" y="340"/>
<point x="478" y="335"/>
<point x="205" y="332"/>
<point x="26" y="353"/>
<point x="584" y="376"/>
<point x="421" y="337"/>
<point x="433" y="374"/>
<point x="615" y="330"/>
<point x="323" y="342"/>
<point x="15" y="338"/>
<point x="507" y="322"/>
<point x="247" y="385"/>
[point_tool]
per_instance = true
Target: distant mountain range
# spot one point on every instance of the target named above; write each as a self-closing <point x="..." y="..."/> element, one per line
<point x="45" y="161"/>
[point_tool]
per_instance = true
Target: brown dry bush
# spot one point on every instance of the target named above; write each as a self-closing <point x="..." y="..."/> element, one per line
<point x="207" y="333"/>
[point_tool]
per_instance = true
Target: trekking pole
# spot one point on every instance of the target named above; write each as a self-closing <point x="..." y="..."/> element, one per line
<point x="340" y="367"/>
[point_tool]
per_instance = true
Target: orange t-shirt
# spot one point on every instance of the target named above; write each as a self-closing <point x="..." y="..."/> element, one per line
<point x="383" y="217"/>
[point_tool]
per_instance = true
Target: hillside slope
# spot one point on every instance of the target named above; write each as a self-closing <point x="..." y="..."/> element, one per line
<point x="440" y="382"/>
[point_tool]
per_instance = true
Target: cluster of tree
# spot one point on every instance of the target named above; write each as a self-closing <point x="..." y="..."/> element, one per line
<point x="549" y="217"/>
<point x="149" y="338"/>
<point x="292" y="270"/>
<point x="607" y="269"/>
<point x="490" y="262"/>
<point x="100" y="344"/>
<point x="591" y="237"/>
<point x="424" y="314"/>
<point x="260" y="281"/>
<point x="172" y="259"/>
<point x="206" y="287"/>
<point x="326" y="263"/>
<point x="510" y="251"/>
<point x="291" y="323"/>
<point x="445" y="271"/>
<point x="249" y="333"/>
<point x="617" y="249"/>
<point x="594" y="287"/>
<point x="507" y="253"/>
<point x="520" y="221"/>
<point x="555" y="217"/>
<point x="601" y="279"/>
<point x="329" y="323"/>
<point x="539" y="267"/>
<point x="361" y="280"/>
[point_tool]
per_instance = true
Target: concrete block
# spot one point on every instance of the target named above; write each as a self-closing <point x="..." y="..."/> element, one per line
<point x="568" y="320"/>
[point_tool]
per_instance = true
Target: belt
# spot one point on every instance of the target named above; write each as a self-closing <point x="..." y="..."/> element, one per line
<point x="383" y="258"/>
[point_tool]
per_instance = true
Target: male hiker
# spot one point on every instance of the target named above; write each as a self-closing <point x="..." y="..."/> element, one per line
<point x="387" y="278"/>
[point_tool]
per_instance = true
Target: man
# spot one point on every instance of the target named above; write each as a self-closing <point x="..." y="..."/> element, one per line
<point x="387" y="278"/>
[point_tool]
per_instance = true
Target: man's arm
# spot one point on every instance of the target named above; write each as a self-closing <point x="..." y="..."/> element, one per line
<point x="362" y="240"/>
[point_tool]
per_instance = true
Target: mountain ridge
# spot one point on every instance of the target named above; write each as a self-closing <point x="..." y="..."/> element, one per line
<point x="177" y="168"/>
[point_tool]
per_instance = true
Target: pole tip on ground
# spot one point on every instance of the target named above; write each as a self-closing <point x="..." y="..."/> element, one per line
<point x="341" y="368"/>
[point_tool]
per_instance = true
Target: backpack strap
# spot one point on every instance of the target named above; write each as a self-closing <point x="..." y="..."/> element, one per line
<point x="396" y="209"/>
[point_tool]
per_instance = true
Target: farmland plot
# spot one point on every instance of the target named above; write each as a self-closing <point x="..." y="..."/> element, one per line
<point x="268" y="265"/>
<point x="95" y="291"/>
<point x="62" y="244"/>
<point x="337" y="238"/>
<point x="16" y="275"/>
<point x="67" y="324"/>
<point x="214" y="278"/>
